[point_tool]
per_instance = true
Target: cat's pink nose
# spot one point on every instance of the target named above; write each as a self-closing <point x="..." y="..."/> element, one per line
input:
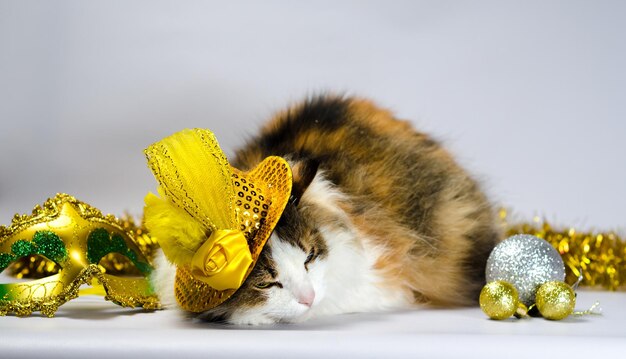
<point x="306" y="297"/>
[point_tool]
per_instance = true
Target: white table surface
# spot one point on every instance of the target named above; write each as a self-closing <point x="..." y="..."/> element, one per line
<point x="90" y="327"/>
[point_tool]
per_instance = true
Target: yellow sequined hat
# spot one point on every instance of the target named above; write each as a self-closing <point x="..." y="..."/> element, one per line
<point x="211" y="220"/>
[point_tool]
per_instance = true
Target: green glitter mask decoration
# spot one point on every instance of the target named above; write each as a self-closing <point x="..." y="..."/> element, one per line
<point x="76" y="237"/>
<point x="45" y="243"/>
<point x="100" y="243"/>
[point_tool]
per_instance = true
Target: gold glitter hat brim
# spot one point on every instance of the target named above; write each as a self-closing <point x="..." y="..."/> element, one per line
<point x="260" y="198"/>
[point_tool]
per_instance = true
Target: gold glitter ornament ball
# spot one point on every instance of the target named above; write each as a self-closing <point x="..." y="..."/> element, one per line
<point x="555" y="300"/>
<point x="499" y="300"/>
<point x="526" y="262"/>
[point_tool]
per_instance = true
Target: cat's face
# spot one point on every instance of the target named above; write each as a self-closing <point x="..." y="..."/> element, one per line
<point x="288" y="279"/>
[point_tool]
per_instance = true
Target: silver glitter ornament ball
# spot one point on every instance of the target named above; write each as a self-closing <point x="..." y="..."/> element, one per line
<point x="526" y="262"/>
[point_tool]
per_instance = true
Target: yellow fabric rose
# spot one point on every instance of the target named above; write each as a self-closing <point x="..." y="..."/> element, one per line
<point x="223" y="260"/>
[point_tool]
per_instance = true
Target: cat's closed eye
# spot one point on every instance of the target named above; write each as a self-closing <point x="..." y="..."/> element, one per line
<point x="267" y="285"/>
<point x="310" y="258"/>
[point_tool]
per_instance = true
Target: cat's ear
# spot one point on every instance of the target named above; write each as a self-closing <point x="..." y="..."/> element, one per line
<point x="304" y="172"/>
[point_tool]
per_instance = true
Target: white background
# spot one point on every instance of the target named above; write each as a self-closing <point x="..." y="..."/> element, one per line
<point x="529" y="95"/>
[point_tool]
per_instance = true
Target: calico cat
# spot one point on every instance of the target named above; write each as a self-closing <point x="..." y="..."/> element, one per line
<point x="382" y="218"/>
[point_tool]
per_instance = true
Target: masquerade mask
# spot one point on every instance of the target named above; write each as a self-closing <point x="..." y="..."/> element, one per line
<point x="212" y="220"/>
<point x="75" y="236"/>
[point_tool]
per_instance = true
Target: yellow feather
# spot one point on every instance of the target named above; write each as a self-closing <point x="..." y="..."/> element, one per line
<point x="175" y="230"/>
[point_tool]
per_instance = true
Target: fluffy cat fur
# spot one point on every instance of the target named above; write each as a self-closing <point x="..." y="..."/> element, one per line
<point x="381" y="218"/>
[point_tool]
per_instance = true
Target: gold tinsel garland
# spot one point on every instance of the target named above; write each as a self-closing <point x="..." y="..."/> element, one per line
<point x="600" y="257"/>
